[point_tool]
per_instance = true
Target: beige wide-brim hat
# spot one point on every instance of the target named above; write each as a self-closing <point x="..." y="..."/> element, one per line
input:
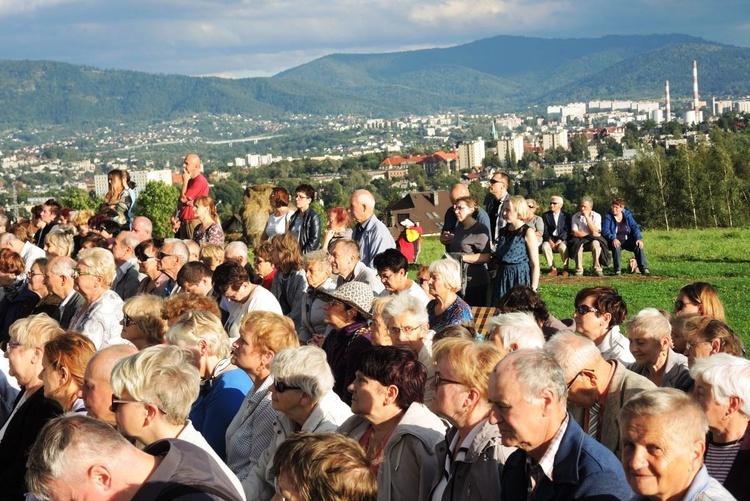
<point x="357" y="295"/>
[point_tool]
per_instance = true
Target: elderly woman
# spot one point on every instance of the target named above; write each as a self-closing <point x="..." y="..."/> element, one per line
<point x="722" y="389"/>
<point x="35" y="281"/>
<point x="209" y="229"/>
<point x="409" y="330"/>
<point x="598" y="313"/>
<point x="701" y="298"/>
<point x="177" y="305"/>
<point x="100" y="316"/>
<point x="471" y="240"/>
<point x="262" y="336"/>
<point x="649" y="333"/>
<point x="323" y="467"/>
<point x="447" y="308"/>
<point x="154" y="281"/>
<point x="289" y="283"/>
<point x="223" y="385"/>
<point x="379" y="323"/>
<point x="59" y="242"/>
<point x="338" y="227"/>
<point x="302" y="394"/>
<point x="622" y="232"/>
<point x="63" y="364"/>
<point x="142" y="322"/>
<point x="152" y="392"/>
<point x="18" y="300"/>
<point x="391" y="423"/>
<point x="318" y="273"/>
<point x="705" y="336"/>
<point x="31" y="409"/>
<point x="347" y="310"/>
<point x="305" y="222"/>
<point x="471" y="458"/>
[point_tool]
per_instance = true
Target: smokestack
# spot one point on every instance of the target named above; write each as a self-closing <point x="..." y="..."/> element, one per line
<point x="696" y="103"/>
<point x="669" y="105"/>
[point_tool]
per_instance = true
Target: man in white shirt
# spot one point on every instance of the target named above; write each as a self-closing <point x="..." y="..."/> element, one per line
<point x="28" y="251"/>
<point x="587" y="224"/>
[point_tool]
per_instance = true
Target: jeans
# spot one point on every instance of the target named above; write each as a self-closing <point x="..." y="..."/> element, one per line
<point x="628" y="245"/>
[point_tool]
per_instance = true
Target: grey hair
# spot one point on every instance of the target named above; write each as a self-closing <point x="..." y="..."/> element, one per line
<point x="100" y="262"/>
<point x="588" y="200"/>
<point x="63" y="265"/>
<point x="236" y="247"/>
<point x="305" y="367"/>
<point x="7" y="238"/>
<point x="179" y="249"/>
<point x="403" y="302"/>
<point x="161" y="375"/>
<point x="450" y="270"/>
<point x="535" y="371"/>
<point x="574" y="353"/>
<point x="196" y="325"/>
<point x="66" y="445"/>
<point x="319" y="259"/>
<point x="130" y="239"/>
<point x="681" y="412"/>
<point x="728" y="376"/>
<point x="63" y="239"/>
<point x="519" y="328"/>
<point x="651" y="323"/>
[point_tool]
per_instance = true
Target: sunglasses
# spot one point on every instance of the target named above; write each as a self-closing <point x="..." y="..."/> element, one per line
<point x="281" y="387"/>
<point x="495" y="181"/>
<point x="679" y="305"/>
<point x="144" y="257"/>
<point x="162" y="255"/>
<point x="126" y="320"/>
<point x="583" y="309"/>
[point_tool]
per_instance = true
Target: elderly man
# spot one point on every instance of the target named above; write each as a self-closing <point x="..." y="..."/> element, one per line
<point x="170" y="259"/>
<point x="346" y="264"/>
<point x="498" y="194"/>
<point x="392" y="269"/>
<point x="142" y="226"/>
<point x="663" y="434"/>
<point x="597" y="388"/>
<point x="449" y="221"/>
<point x="555" y="237"/>
<point x="60" y="282"/>
<point x="78" y="457"/>
<point x="96" y="390"/>
<point x="556" y="460"/>
<point x="371" y="234"/>
<point x="514" y="331"/>
<point x="127" y="278"/>
<point x="28" y="251"/>
<point x="586" y="228"/>
<point x="194" y="185"/>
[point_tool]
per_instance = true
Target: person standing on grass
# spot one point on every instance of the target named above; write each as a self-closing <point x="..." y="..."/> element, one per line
<point x="194" y="185"/>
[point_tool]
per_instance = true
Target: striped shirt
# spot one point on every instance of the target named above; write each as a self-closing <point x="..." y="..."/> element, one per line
<point x="720" y="457"/>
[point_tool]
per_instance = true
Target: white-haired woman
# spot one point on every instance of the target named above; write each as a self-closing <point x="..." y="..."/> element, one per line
<point x="100" y="316"/>
<point x="722" y="389"/>
<point x="447" y="308"/>
<point x="223" y="385"/>
<point x="649" y="333"/>
<point x="317" y="267"/>
<point x="302" y="394"/>
<point x="152" y="392"/>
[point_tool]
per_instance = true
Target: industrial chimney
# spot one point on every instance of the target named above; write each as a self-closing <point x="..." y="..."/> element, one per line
<point x="669" y="105"/>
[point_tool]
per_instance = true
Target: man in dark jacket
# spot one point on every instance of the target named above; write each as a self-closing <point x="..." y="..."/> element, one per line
<point x="528" y="393"/>
<point x="556" y="234"/>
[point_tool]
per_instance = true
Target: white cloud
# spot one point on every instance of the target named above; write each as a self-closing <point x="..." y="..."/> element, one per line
<point x="11" y="7"/>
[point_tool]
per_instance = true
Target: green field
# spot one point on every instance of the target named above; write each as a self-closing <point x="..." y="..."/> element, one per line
<point x="676" y="258"/>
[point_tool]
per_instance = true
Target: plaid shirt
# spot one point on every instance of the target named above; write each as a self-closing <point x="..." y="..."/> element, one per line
<point x="547" y="463"/>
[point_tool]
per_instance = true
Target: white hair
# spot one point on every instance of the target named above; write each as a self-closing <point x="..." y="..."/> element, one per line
<point x="403" y="302"/>
<point x="728" y="376"/>
<point x="519" y="328"/>
<point x="305" y="367"/>
<point x="179" y="249"/>
<point x="652" y="323"/>
<point x="574" y="353"/>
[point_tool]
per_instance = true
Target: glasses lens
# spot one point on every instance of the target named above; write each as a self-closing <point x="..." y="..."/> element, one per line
<point x="679" y="305"/>
<point x="583" y="309"/>
<point x="281" y="386"/>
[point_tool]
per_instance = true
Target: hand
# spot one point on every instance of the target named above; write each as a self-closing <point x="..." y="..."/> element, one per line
<point x="317" y="340"/>
<point x="185" y="176"/>
<point x="639" y="244"/>
<point x="446" y="238"/>
<point x="616" y="243"/>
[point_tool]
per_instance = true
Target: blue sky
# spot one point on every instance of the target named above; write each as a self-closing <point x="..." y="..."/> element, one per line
<point x="241" y="38"/>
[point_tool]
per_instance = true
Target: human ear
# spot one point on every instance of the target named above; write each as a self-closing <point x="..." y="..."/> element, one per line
<point x="100" y="476"/>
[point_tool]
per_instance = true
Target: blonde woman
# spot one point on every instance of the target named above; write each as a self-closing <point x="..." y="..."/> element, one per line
<point x="117" y="201"/>
<point x="209" y="230"/>
<point x="59" y="242"/>
<point x="142" y="322"/>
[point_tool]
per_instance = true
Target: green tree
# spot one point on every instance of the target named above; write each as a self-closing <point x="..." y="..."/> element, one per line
<point x="79" y="199"/>
<point x="157" y="201"/>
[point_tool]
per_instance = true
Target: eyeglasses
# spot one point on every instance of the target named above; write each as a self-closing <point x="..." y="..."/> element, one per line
<point x="13" y="344"/>
<point x="554" y="203"/>
<point x="116" y="402"/>
<point x="532" y="206"/>
<point x="583" y="309"/>
<point x="162" y="255"/>
<point x="693" y="344"/>
<point x="34" y="274"/>
<point x="421" y="281"/>
<point x="300" y="196"/>
<point x="78" y="273"/>
<point x="440" y="381"/>
<point x="408" y="329"/>
<point x="142" y="258"/>
<point x="460" y="208"/>
<point x="126" y="320"/>
<point x="281" y="386"/>
<point x="679" y="305"/>
<point x="576" y="377"/>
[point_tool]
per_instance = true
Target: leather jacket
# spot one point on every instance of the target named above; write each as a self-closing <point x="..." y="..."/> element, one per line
<point x="306" y="225"/>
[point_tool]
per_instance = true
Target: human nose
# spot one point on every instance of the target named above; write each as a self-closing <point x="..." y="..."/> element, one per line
<point x="350" y="388"/>
<point x="637" y="459"/>
<point x="494" y="417"/>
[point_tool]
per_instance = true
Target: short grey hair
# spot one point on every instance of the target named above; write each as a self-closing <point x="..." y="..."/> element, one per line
<point x="236" y="247"/>
<point x="587" y="199"/>
<point x="179" y="249"/>
<point x="319" y="259"/>
<point x="161" y="375"/>
<point x="728" y="376"/>
<point x="7" y="238"/>
<point x="450" y="270"/>
<point x="535" y="371"/>
<point x="305" y="367"/>
<point x="651" y="323"/>
<point x="574" y="353"/>
<point x="518" y="328"/>
<point x="100" y="263"/>
<point x="403" y="302"/>
<point x="681" y="412"/>
<point x="195" y="326"/>
<point x="130" y="239"/>
<point x="66" y="445"/>
<point x="63" y="265"/>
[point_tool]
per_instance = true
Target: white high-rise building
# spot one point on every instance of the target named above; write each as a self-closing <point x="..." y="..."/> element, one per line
<point x="554" y="138"/>
<point x="470" y="154"/>
<point x="141" y="179"/>
<point x="506" y="146"/>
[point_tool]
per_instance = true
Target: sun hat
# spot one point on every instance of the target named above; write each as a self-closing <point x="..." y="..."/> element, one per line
<point x="357" y="295"/>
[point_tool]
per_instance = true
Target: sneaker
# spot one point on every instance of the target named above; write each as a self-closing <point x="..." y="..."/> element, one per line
<point x="565" y="273"/>
<point x="552" y="272"/>
<point x="579" y="273"/>
<point x="618" y="272"/>
<point x="646" y="272"/>
<point x="599" y="272"/>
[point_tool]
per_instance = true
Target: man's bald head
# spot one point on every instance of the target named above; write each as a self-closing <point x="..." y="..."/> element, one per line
<point x="96" y="391"/>
<point x="192" y="165"/>
<point x="362" y="205"/>
<point x="459" y="190"/>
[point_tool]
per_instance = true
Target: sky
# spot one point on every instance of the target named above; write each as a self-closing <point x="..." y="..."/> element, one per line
<point x="248" y="38"/>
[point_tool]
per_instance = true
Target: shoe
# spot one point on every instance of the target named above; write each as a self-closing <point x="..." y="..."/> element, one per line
<point x="599" y="273"/>
<point x="552" y="272"/>
<point x="579" y="273"/>
<point x="565" y="273"/>
<point x="618" y="272"/>
<point x="646" y="272"/>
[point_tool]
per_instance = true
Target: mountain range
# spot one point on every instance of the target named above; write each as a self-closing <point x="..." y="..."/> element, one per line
<point x="502" y="73"/>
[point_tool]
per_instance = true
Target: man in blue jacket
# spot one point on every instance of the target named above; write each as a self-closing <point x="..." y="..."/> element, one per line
<point x="555" y="459"/>
<point x="622" y="232"/>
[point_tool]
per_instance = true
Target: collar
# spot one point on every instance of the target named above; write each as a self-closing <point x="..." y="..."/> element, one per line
<point x="547" y="463"/>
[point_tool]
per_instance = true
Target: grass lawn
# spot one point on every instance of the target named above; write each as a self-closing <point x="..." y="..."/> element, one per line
<point x="675" y="258"/>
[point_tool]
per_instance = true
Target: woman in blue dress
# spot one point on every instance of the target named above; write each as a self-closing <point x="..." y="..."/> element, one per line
<point x="517" y="251"/>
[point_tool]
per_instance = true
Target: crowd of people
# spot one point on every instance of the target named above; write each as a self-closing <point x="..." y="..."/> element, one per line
<point x="143" y="368"/>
